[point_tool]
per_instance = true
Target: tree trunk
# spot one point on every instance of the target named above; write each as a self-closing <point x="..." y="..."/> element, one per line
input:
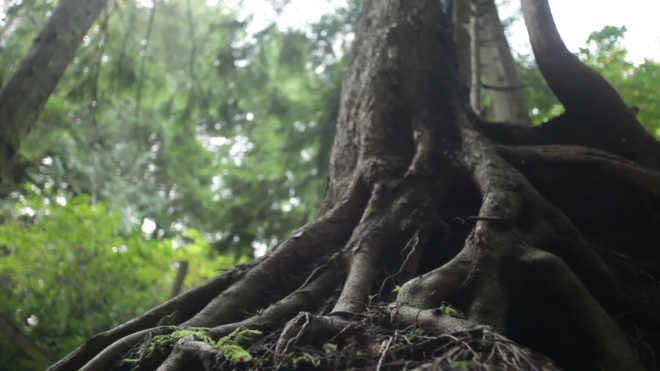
<point x="499" y="69"/>
<point x="24" y="94"/>
<point x="461" y="19"/>
<point x="475" y="60"/>
<point x="440" y="232"/>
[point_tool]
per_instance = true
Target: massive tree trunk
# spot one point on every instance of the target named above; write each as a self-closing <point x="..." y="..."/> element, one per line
<point x="24" y="94"/>
<point x="440" y="233"/>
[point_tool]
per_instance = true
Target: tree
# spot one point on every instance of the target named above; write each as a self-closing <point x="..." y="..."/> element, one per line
<point x="24" y="94"/>
<point x="605" y="54"/>
<point x="499" y="69"/>
<point x="483" y="53"/>
<point x="427" y="205"/>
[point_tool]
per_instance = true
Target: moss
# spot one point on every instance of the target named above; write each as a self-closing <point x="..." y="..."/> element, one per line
<point x="233" y="353"/>
<point x="414" y="333"/>
<point x="231" y="346"/>
<point x="334" y="257"/>
<point x="171" y="319"/>
<point x="305" y="358"/>
<point x="202" y="333"/>
<point x="462" y="365"/>
<point x="452" y="311"/>
<point x="241" y="336"/>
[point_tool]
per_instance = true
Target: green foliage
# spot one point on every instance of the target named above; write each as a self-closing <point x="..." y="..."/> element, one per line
<point x="637" y="84"/>
<point x="305" y="359"/>
<point x="231" y="347"/>
<point x="451" y="311"/>
<point x="185" y="119"/>
<point x="70" y="269"/>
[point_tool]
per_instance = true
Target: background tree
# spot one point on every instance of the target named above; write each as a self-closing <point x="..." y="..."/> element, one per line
<point x="24" y="94"/>
<point x="501" y="79"/>
<point x="486" y="63"/>
<point x="428" y="204"/>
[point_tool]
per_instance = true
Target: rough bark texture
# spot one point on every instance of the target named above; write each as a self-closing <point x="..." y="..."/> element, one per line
<point x="24" y="94"/>
<point x="440" y="233"/>
<point x="499" y="69"/>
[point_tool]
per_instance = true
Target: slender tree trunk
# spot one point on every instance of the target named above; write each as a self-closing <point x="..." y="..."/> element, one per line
<point x="461" y="19"/>
<point x="475" y="59"/>
<point x="439" y="231"/>
<point x="180" y="276"/>
<point x="25" y="93"/>
<point x="499" y="70"/>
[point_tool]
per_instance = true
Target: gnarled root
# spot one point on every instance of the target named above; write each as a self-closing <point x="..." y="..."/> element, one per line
<point x="188" y="352"/>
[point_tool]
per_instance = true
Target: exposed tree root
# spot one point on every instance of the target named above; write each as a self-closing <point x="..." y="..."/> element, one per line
<point x="614" y="351"/>
<point x="270" y="319"/>
<point x="186" y="305"/>
<point x="189" y="351"/>
<point x="499" y="353"/>
<point x="437" y="321"/>
<point x="512" y="217"/>
<point x="429" y="290"/>
<point x="307" y="297"/>
<point x="104" y="359"/>
<point x="381" y="224"/>
<point x="582" y="159"/>
<point x="550" y="229"/>
<point x="303" y="246"/>
<point x="446" y="343"/>
<point x="307" y="327"/>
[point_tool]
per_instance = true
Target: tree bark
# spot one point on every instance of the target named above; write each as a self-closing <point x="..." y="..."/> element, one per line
<point x="26" y="91"/>
<point x="461" y="19"/>
<point x="475" y="59"/>
<point x="440" y="232"/>
<point x="501" y="79"/>
<point x="180" y="276"/>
